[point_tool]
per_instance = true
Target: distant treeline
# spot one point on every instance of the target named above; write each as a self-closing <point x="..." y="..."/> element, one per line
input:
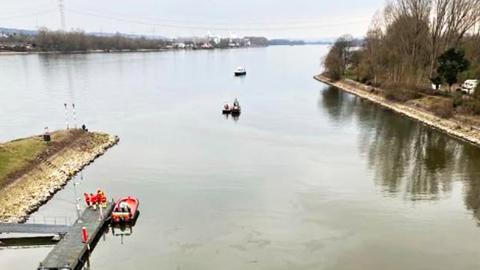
<point x="46" y="40"/>
<point x="286" y="42"/>
<point x="258" y="41"/>
<point x="77" y="40"/>
<point x="80" y="41"/>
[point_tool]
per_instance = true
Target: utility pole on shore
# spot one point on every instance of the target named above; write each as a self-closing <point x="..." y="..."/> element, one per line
<point x="75" y="192"/>
<point x="74" y="116"/>
<point x="66" y="115"/>
<point x="77" y="199"/>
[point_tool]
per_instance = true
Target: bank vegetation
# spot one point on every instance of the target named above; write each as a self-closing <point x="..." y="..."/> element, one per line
<point x="416" y="50"/>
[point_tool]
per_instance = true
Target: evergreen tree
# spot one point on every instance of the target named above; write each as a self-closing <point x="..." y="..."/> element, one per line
<point x="450" y="64"/>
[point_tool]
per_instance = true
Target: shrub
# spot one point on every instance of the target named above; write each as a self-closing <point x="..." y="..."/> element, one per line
<point x="333" y="75"/>
<point x="476" y="93"/>
<point x="470" y="106"/>
<point x="457" y="99"/>
<point x="443" y="108"/>
<point x="400" y="93"/>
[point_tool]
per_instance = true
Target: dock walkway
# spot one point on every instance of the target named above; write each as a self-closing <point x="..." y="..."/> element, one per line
<point x="33" y="228"/>
<point x="70" y="252"/>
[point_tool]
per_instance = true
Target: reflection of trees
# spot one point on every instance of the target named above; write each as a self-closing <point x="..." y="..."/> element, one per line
<point x="333" y="101"/>
<point x="387" y="145"/>
<point x="433" y="164"/>
<point x="406" y="157"/>
<point x="469" y="170"/>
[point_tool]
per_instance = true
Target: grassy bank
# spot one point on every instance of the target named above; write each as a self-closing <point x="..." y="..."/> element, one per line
<point x="32" y="170"/>
<point x="460" y="128"/>
<point x="17" y="155"/>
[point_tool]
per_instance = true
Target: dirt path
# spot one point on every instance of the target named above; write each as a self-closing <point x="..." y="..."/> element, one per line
<point x="33" y="185"/>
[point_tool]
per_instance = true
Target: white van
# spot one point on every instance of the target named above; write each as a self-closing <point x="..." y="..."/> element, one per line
<point x="469" y="86"/>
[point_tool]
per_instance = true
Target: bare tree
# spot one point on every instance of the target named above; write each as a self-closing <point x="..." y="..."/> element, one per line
<point x="338" y="58"/>
<point x="462" y="16"/>
<point x="438" y="28"/>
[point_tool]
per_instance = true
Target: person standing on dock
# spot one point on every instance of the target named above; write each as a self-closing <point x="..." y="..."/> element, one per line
<point x="88" y="199"/>
<point x="94" y="201"/>
<point x="101" y="198"/>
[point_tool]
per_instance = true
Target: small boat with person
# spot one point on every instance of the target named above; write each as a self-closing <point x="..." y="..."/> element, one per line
<point x="236" y="109"/>
<point x="125" y="210"/>
<point x="240" y="71"/>
<point x="232" y="109"/>
<point x="227" y="108"/>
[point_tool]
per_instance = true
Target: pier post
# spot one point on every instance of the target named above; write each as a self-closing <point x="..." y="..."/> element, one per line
<point x="74" y="116"/>
<point x="78" y="208"/>
<point x="77" y="199"/>
<point x="66" y="114"/>
<point x="101" y="212"/>
<point x="85" y="235"/>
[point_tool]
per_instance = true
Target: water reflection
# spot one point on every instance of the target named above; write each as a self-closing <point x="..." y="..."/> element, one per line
<point x="235" y="116"/>
<point x="407" y="158"/>
<point x="471" y="172"/>
<point x="122" y="231"/>
<point x="333" y="101"/>
<point x="118" y="231"/>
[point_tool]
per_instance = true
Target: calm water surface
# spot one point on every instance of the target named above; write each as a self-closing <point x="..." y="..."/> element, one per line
<point x="308" y="177"/>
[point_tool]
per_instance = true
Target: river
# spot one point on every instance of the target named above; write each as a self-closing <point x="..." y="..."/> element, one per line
<point x="308" y="177"/>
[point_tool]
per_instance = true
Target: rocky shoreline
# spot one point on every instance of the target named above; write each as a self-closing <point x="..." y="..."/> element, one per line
<point x="452" y="127"/>
<point x="36" y="186"/>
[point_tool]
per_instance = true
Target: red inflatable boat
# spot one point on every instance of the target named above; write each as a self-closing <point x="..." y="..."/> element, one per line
<point x="125" y="210"/>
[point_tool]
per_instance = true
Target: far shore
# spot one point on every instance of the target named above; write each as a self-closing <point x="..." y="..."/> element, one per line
<point x="458" y="129"/>
<point x="116" y="51"/>
<point x="35" y="170"/>
<point x="82" y="52"/>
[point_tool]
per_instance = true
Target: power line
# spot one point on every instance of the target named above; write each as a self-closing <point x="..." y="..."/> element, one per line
<point x="22" y="9"/>
<point x="28" y="14"/>
<point x="268" y="27"/>
<point x="157" y="20"/>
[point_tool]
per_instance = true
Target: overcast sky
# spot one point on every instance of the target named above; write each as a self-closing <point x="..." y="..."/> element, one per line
<point x="271" y="18"/>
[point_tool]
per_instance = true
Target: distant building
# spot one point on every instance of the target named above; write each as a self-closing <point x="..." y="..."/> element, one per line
<point x="206" y="45"/>
<point x="211" y="41"/>
<point x="179" y="45"/>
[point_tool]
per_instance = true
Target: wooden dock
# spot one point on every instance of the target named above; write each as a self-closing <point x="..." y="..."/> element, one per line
<point x="70" y="252"/>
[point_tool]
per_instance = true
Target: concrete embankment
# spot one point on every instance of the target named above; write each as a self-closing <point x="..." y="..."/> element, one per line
<point x="454" y="128"/>
<point x="32" y="184"/>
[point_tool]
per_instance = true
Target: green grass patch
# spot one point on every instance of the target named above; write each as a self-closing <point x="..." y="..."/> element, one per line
<point x="15" y="155"/>
<point x="350" y="74"/>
